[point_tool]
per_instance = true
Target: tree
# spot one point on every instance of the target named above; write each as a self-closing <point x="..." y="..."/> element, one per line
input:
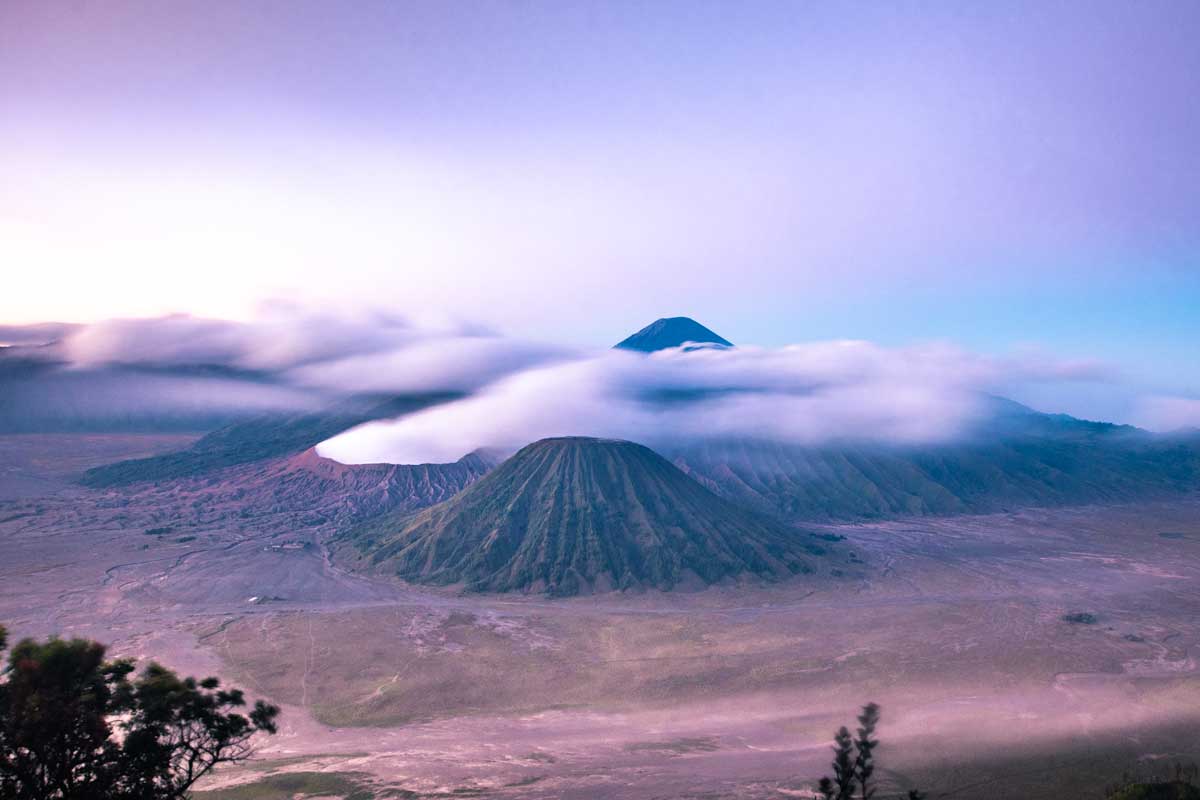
<point x="843" y="764"/>
<point x="178" y="729"/>
<point x="61" y="703"/>
<point x="865" y="744"/>
<point x="854" y="761"/>
<point x="55" y="737"/>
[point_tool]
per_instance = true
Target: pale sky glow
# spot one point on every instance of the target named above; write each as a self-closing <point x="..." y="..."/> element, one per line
<point x="1008" y="176"/>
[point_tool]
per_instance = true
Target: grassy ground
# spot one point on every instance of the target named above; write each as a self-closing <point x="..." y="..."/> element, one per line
<point x="290" y="785"/>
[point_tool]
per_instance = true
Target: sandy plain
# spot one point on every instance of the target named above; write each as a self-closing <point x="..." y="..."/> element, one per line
<point x="954" y="625"/>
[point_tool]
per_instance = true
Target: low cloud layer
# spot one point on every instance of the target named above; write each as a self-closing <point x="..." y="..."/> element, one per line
<point x="515" y="392"/>
<point x="362" y="353"/>
<point x="280" y="340"/>
<point x="1168" y="413"/>
<point x="285" y="360"/>
<point x="35" y="335"/>
<point x="810" y="393"/>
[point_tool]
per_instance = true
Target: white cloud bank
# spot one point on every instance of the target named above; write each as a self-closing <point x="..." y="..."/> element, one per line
<point x="516" y="392"/>
<point x="808" y="393"/>
<point x="365" y="353"/>
<point x="287" y="359"/>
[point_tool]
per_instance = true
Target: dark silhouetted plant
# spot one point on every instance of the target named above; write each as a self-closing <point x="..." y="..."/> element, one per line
<point x="854" y="761"/>
<point x="76" y="727"/>
<point x="843" y="764"/>
<point x="864" y="746"/>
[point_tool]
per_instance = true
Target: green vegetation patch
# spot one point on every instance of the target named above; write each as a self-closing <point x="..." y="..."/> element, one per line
<point x="1081" y="618"/>
<point x="289" y="785"/>
<point x="681" y="746"/>
<point x="1172" y="790"/>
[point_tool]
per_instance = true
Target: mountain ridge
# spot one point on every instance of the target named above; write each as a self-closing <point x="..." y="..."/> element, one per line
<point x="1040" y="460"/>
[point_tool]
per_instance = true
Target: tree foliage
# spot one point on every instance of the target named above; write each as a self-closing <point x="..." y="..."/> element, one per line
<point x="864" y="746"/>
<point x="73" y="725"/>
<point x="843" y="764"/>
<point x="854" y="761"/>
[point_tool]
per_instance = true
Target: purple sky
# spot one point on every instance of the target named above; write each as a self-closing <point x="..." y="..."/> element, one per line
<point x="1002" y="175"/>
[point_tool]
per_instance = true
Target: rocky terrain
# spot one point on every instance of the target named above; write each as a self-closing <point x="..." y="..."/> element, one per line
<point x="261" y="438"/>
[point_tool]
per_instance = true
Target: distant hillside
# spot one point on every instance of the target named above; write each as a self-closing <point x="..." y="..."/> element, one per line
<point x="263" y="437"/>
<point x="572" y="515"/>
<point x="1016" y="458"/>
<point x="1019" y="458"/>
<point x="331" y="492"/>
<point x="670" y="332"/>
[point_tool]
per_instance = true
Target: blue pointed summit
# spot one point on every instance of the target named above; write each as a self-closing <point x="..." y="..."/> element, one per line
<point x="671" y="332"/>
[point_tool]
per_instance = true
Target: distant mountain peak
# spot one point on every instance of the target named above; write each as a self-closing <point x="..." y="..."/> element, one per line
<point x="671" y="332"/>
